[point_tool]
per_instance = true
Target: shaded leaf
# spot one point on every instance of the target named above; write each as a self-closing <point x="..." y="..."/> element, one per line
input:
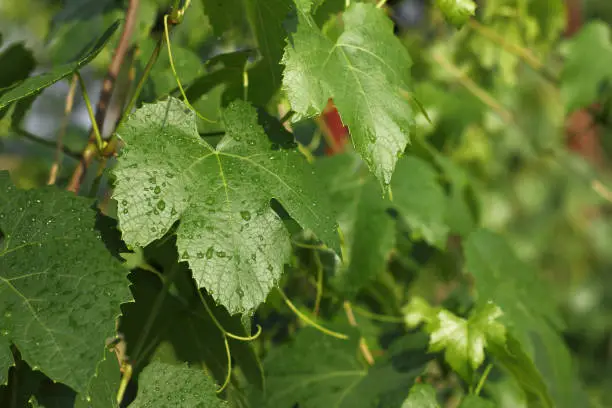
<point x="234" y="243"/>
<point x="364" y="71"/>
<point x="588" y="58"/>
<point x="102" y="388"/>
<point x="320" y="371"/>
<point x="37" y="83"/>
<point x="473" y="401"/>
<point x="59" y="287"/>
<point x="168" y="386"/>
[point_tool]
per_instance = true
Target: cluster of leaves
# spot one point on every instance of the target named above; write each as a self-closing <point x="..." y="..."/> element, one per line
<point x="225" y="262"/>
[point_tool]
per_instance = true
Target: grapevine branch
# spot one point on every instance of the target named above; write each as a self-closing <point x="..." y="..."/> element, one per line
<point x="60" y="137"/>
<point x="107" y="92"/>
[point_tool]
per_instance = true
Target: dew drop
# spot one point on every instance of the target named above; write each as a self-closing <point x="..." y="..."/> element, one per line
<point x="157" y="190"/>
<point x="245" y="215"/>
<point x="209" y="252"/>
<point x="161" y="205"/>
<point x="221" y="254"/>
<point x="240" y="292"/>
<point x="185" y="255"/>
<point x="200" y="255"/>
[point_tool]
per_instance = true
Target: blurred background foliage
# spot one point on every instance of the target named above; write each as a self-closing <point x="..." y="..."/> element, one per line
<point x="511" y="150"/>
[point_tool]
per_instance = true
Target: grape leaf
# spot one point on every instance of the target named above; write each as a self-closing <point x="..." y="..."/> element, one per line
<point x="364" y="71"/>
<point x="221" y="19"/>
<point x="36" y="83"/>
<point x="233" y="241"/>
<point x="421" y="396"/>
<point x="59" y="287"/>
<point x="580" y="81"/>
<point x="457" y="12"/>
<point x="169" y="386"/>
<point x="321" y="371"/>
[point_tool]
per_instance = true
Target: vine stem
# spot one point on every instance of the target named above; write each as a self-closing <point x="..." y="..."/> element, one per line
<point x="308" y="320"/>
<point x="378" y="317"/>
<point x="363" y="346"/>
<point x="473" y="88"/>
<point x="44" y="142"/>
<point x="380" y="3"/>
<point x="108" y="86"/>
<point x="319" y="265"/>
<point x="55" y="167"/>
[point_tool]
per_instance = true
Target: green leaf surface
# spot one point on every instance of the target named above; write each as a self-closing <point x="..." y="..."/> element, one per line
<point x="588" y="63"/>
<point x="364" y="71"/>
<point x="321" y="371"/>
<point x="223" y="20"/>
<point x="168" y="386"/>
<point x="234" y="243"/>
<point x="102" y="388"/>
<point x="457" y="12"/>
<point x="37" y="83"/>
<point x="60" y="289"/>
<point x="421" y="396"/>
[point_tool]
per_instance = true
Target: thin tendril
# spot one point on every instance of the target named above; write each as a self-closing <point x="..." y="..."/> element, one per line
<point x="92" y="116"/>
<point x="178" y="81"/>
<point x="483" y="378"/>
<point x="228" y="377"/>
<point x="220" y="327"/>
<point x="376" y="316"/>
<point x="309" y="321"/>
<point x="317" y="304"/>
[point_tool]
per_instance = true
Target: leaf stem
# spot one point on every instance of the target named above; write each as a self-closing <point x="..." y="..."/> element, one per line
<point x="287" y="116"/>
<point x="44" y="142"/>
<point x="482" y="380"/>
<point x="92" y="117"/>
<point x="380" y="3"/>
<point x="309" y="321"/>
<point x="319" y="265"/>
<point x="378" y="317"/>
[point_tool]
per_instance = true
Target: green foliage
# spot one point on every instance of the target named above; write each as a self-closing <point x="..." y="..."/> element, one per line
<point x="451" y="251"/>
<point x="58" y="283"/>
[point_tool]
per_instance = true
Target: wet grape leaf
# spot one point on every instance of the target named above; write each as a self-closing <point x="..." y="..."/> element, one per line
<point x="233" y="241"/>
<point x="60" y="289"/>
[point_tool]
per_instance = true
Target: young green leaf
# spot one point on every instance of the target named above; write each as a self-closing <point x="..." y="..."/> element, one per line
<point x="321" y="371"/>
<point x="60" y="289"/>
<point x="457" y="12"/>
<point x="580" y="81"/>
<point x="37" y="83"/>
<point x="364" y="71"/>
<point x="421" y="396"/>
<point x="464" y="341"/>
<point x="474" y="401"/>
<point x="235" y="244"/>
<point x="169" y="386"/>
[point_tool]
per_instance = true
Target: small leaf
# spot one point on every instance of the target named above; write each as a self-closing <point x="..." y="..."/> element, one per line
<point x="59" y="287"/>
<point x="421" y="396"/>
<point x="419" y="311"/>
<point x="37" y="83"/>
<point x="588" y="58"/>
<point x="457" y="12"/>
<point x="364" y="71"/>
<point x="233" y="241"/>
<point x="168" y="386"/>
<point x="464" y="341"/>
